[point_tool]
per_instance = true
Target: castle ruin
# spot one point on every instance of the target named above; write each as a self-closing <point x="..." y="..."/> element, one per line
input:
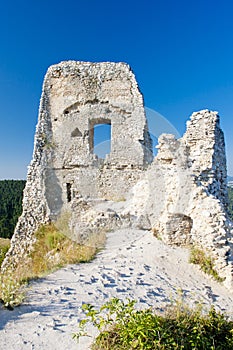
<point x="181" y="194"/>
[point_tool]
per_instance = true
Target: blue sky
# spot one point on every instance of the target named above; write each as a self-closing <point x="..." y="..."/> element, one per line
<point x="180" y="51"/>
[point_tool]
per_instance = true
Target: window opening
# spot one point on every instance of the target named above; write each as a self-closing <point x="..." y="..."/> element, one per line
<point x="68" y="192"/>
<point x="100" y="137"/>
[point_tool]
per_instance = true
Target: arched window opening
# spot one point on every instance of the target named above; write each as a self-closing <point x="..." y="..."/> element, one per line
<point x="100" y="138"/>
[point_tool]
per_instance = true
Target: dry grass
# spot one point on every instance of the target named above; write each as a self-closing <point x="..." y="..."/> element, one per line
<point x="206" y="263"/>
<point x="52" y="250"/>
<point x="62" y="223"/>
<point x="4" y="242"/>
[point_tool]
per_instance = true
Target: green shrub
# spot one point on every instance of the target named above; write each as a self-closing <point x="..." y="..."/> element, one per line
<point x="199" y="257"/>
<point x="11" y="290"/>
<point x="123" y="327"/>
<point x="4" y="247"/>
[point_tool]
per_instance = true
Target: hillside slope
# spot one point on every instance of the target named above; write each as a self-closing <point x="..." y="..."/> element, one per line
<point x="134" y="264"/>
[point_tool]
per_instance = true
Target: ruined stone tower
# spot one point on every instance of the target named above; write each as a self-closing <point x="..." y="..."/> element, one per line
<point x="181" y="194"/>
<point x="77" y="96"/>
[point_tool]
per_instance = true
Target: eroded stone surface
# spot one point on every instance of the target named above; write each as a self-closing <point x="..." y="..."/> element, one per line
<point x="76" y="96"/>
<point x="185" y="191"/>
<point x="181" y="194"/>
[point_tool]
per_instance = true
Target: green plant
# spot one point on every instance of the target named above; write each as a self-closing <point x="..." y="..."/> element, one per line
<point x="157" y="234"/>
<point x="122" y="326"/>
<point x="50" y="237"/>
<point x="47" y="143"/>
<point x="11" y="290"/>
<point x="199" y="257"/>
<point x="4" y="247"/>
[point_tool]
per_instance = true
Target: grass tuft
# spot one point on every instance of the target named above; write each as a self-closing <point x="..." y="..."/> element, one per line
<point x="199" y="257"/>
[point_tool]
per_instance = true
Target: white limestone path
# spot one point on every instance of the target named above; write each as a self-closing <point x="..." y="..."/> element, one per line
<point x="133" y="265"/>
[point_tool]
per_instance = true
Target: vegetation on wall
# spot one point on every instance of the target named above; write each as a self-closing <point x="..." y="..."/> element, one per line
<point x="11" y="195"/>
<point x="205" y="261"/>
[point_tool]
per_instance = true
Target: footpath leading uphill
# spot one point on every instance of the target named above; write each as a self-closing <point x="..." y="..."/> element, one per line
<point x="134" y="264"/>
<point x="153" y="207"/>
<point x="181" y="194"/>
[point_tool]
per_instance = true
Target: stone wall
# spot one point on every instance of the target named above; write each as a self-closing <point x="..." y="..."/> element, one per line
<point x="185" y="192"/>
<point x="76" y="97"/>
<point x="205" y="141"/>
<point x="181" y="194"/>
<point x="82" y="95"/>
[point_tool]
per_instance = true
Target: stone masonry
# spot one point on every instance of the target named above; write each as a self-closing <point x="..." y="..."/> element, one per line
<point x="77" y="96"/>
<point x="185" y="192"/>
<point x="181" y="194"/>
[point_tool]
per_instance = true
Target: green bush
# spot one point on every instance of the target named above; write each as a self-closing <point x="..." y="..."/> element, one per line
<point x="11" y="290"/>
<point x="4" y="246"/>
<point x="123" y="327"/>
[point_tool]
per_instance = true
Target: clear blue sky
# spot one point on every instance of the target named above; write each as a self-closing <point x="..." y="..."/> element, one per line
<point x="180" y="51"/>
